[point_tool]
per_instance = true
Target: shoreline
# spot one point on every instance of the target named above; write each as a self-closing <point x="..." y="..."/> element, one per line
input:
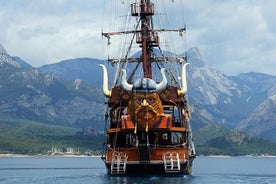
<point x="229" y="156"/>
<point x="9" y="155"/>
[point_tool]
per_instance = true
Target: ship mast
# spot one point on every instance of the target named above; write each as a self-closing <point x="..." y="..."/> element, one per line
<point x="149" y="130"/>
<point x="147" y="38"/>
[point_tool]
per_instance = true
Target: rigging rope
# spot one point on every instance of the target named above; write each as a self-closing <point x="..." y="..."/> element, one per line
<point x="124" y="46"/>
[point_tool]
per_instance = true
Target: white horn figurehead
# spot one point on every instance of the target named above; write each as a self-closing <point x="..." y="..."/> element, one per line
<point x="163" y="84"/>
<point x="183" y="90"/>
<point x="106" y="91"/>
<point x="126" y="86"/>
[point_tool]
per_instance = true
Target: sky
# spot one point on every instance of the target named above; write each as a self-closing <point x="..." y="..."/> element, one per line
<point x="234" y="36"/>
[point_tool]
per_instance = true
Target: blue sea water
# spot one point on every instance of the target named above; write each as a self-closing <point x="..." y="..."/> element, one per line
<point x="91" y="170"/>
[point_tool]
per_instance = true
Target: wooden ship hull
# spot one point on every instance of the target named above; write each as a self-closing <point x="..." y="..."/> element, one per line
<point x="148" y="129"/>
<point x="157" y="161"/>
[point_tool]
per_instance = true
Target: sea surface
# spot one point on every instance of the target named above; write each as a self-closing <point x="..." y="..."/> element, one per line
<point x="91" y="170"/>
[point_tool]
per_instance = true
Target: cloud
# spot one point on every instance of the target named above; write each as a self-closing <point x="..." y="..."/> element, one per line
<point x="234" y="36"/>
<point x="43" y="32"/>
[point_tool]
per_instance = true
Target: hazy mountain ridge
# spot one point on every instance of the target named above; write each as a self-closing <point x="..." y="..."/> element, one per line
<point x="83" y="68"/>
<point x="206" y="83"/>
<point x="44" y="96"/>
<point x="262" y="122"/>
<point x="28" y="93"/>
<point x="21" y="62"/>
<point x="246" y="98"/>
<point x="223" y="100"/>
<point x="5" y="58"/>
<point x="213" y="139"/>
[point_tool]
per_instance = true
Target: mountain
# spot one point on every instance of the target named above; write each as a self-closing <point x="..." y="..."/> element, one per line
<point x="60" y="95"/>
<point x="213" y="139"/>
<point x="19" y="136"/>
<point x="6" y="59"/>
<point x="256" y="87"/>
<point x="261" y="122"/>
<point x="86" y="69"/>
<point x="206" y="84"/>
<point x="213" y="90"/>
<point x="215" y="98"/>
<point x="28" y="93"/>
<point x="207" y="87"/>
<point x="21" y="62"/>
<point x="228" y="99"/>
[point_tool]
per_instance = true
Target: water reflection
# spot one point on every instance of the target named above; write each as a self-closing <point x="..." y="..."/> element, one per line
<point x="148" y="179"/>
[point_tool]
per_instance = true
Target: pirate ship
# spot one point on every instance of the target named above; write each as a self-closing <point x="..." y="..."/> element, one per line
<point x="147" y="115"/>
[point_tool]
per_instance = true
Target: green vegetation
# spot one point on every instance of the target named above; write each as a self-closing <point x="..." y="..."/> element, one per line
<point x="215" y="140"/>
<point x="29" y="137"/>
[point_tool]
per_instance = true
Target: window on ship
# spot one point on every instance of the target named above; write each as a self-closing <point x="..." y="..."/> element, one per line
<point x="166" y="138"/>
<point x="176" y="118"/>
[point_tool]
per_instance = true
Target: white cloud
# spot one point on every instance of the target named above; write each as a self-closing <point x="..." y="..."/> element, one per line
<point x="42" y="32"/>
<point x="234" y="36"/>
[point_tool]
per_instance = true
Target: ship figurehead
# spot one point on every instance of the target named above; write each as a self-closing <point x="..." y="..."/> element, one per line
<point x="145" y="108"/>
